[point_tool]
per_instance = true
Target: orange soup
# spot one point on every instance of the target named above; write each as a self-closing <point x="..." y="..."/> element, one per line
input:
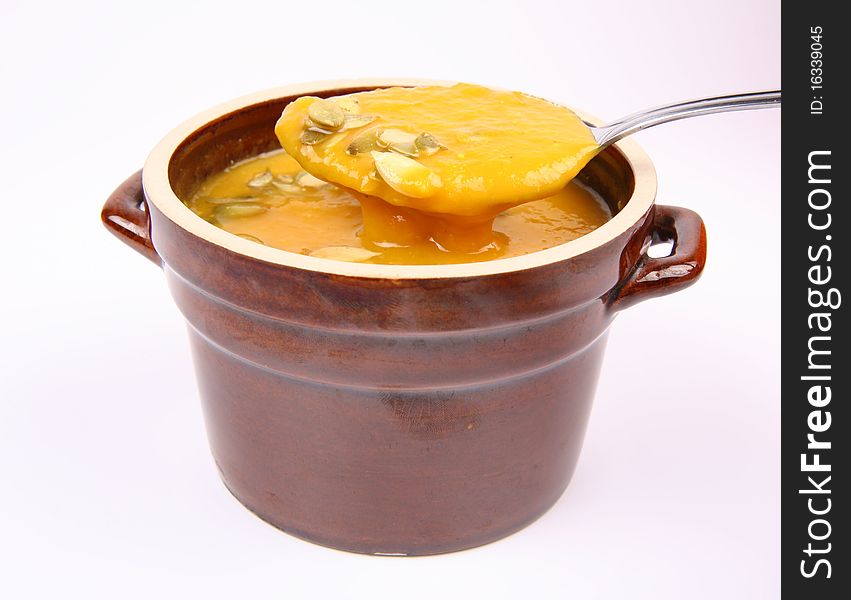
<point x="416" y="175"/>
<point x="270" y="200"/>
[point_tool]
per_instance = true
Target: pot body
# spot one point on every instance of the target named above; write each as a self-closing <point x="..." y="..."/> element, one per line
<point x="444" y="417"/>
<point x="398" y="416"/>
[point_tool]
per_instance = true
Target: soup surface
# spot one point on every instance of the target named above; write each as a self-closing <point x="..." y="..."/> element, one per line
<point x="270" y="199"/>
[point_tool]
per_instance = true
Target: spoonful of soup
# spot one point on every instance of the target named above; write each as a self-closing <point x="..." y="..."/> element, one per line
<point x="463" y="151"/>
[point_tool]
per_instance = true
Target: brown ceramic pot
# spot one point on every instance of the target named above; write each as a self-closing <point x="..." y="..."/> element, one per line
<point x="398" y="410"/>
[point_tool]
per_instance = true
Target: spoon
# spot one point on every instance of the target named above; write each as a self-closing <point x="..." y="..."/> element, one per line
<point x="616" y="130"/>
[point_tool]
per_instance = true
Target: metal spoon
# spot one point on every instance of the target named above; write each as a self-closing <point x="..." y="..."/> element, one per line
<point x="611" y="133"/>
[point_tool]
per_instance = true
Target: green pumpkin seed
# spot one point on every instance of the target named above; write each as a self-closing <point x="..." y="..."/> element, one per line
<point x="250" y="238"/>
<point x="366" y="141"/>
<point x="427" y="144"/>
<point x="405" y="175"/>
<point x="285" y="183"/>
<point x="398" y="141"/>
<point x="346" y="253"/>
<point x="310" y="137"/>
<point x="326" y="113"/>
<point x="355" y="121"/>
<point x="311" y="126"/>
<point x="238" y="211"/>
<point x="261" y="180"/>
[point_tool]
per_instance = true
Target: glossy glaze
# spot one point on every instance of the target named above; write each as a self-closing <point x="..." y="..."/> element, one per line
<point x="384" y="415"/>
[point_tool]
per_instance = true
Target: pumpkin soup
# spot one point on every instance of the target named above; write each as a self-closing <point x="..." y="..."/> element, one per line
<point x="270" y="200"/>
<point x="422" y="175"/>
<point x="463" y="150"/>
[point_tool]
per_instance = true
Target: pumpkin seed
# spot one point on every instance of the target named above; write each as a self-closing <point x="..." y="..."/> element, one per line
<point x="311" y="126"/>
<point x="235" y="200"/>
<point x="261" y="179"/>
<point x="326" y="113"/>
<point x="250" y="238"/>
<point x="305" y="179"/>
<point x="236" y="211"/>
<point x="398" y="141"/>
<point x="285" y="183"/>
<point x="427" y="144"/>
<point x="355" y="121"/>
<point x="310" y="137"/>
<point x="347" y="104"/>
<point x="366" y="141"/>
<point x="346" y="253"/>
<point x="405" y="175"/>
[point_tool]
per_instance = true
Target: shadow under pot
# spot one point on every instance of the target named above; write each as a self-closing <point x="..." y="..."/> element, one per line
<point x="398" y="410"/>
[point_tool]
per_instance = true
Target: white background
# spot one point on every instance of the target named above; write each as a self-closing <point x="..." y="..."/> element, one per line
<point x="107" y="488"/>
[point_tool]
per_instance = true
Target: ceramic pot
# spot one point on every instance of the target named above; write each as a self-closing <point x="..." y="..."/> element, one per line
<point x="401" y="410"/>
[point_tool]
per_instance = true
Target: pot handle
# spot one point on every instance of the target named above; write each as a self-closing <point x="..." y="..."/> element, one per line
<point x="651" y="277"/>
<point x="125" y="214"/>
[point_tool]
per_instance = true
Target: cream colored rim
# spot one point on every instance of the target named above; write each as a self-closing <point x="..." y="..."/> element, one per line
<point x="159" y="192"/>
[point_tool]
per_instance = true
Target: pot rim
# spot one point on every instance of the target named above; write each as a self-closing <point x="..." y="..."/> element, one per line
<point x="158" y="190"/>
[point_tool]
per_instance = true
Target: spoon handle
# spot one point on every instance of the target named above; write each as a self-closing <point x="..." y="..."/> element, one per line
<point x="611" y="133"/>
